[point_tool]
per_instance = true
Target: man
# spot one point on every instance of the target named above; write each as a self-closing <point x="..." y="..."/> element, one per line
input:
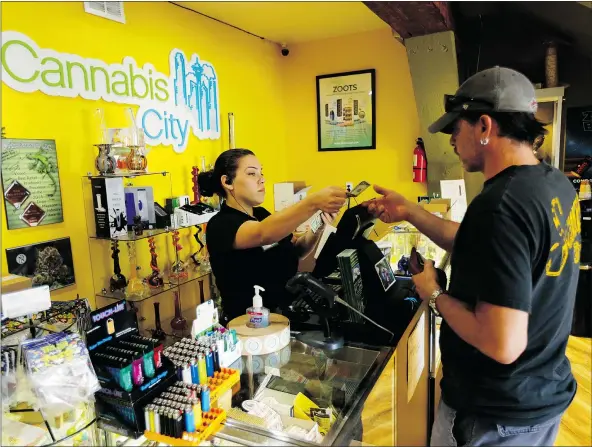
<point x="515" y="260"/>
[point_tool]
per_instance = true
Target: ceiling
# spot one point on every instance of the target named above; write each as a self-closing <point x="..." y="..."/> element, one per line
<point x="293" y="22"/>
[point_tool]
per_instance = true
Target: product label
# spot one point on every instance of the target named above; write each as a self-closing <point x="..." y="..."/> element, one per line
<point x="108" y="312"/>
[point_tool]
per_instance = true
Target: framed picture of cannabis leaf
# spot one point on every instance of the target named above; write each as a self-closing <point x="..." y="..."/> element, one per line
<point x="30" y="183"/>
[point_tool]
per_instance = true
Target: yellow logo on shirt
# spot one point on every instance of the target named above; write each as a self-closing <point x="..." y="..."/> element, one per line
<point x="569" y="229"/>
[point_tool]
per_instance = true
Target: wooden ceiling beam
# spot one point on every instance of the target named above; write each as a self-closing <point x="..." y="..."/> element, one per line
<point x="412" y="19"/>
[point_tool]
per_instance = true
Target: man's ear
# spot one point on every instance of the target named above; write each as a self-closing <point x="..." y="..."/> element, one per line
<point x="485" y="125"/>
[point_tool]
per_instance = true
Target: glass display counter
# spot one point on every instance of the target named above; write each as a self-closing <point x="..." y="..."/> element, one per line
<point x="340" y="380"/>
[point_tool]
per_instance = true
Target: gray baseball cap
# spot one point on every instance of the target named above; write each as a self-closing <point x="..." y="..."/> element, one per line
<point x="496" y="89"/>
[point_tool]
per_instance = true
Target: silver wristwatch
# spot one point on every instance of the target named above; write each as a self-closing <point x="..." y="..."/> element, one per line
<point x="432" y="301"/>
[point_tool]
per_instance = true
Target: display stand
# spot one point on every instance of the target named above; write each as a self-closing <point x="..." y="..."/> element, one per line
<point x="135" y="250"/>
<point x="79" y="310"/>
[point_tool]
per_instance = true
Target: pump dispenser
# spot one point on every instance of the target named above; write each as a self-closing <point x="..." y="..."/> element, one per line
<point x="258" y="315"/>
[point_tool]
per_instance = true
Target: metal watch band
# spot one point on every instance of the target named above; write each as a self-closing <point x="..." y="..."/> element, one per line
<point x="432" y="302"/>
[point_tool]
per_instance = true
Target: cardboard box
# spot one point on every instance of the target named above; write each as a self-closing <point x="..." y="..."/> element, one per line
<point x="288" y="193"/>
<point x="14" y="283"/>
<point x="109" y="207"/>
<point x="441" y="207"/>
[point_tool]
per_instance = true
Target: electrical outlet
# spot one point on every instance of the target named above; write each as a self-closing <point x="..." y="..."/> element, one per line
<point x="349" y="186"/>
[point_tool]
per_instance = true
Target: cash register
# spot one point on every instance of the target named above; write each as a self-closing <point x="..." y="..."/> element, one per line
<point x="370" y="306"/>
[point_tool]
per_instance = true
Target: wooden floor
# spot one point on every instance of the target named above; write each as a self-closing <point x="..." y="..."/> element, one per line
<point x="576" y="425"/>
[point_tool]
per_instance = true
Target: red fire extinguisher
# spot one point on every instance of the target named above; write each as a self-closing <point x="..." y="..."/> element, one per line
<point x="420" y="163"/>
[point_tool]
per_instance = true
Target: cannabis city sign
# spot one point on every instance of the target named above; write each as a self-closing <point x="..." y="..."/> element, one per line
<point x="170" y="105"/>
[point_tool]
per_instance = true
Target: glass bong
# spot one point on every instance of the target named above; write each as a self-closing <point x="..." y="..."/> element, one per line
<point x="104" y="162"/>
<point x="135" y="286"/>
<point x="136" y="160"/>
<point x="178" y="323"/>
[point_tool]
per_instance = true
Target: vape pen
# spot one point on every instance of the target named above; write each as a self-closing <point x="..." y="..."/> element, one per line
<point x="201" y="367"/>
<point x="205" y="398"/>
<point x="209" y="363"/>
<point x="189" y="420"/>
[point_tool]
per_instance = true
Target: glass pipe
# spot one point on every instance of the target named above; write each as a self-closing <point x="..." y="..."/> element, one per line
<point x="157" y="332"/>
<point x="104" y="162"/>
<point x="136" y="160"/>
<point x="195" y="189"/>
<point x="178" y="323"/>
<point x="155" y="279"/>
<point x="178" y="269"/>
<point x="117" y="280"/>
<point x="136" y="286"/>
<point x="201" y="291"/>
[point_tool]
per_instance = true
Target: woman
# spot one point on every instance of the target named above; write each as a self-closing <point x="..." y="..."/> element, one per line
<point x="248" y="246"/>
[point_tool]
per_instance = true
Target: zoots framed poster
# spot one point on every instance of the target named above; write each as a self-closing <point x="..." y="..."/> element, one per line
<point x="346" y="110"/>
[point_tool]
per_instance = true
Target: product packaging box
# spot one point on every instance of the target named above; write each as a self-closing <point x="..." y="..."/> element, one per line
<point x="139" y="201"/>
<point x="173" y="203"/>
<point x="109" y="207"/>
<point x="119" y="409"/>
<point x="289" y="193"/>
<point x="441" y="207"/>
<point x="163" y="218"/>
<point x="14" y="283"/>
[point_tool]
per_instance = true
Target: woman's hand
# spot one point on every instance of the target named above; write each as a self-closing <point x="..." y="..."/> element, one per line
<point x="329" y="200"/>
<point x="328" y="218"/>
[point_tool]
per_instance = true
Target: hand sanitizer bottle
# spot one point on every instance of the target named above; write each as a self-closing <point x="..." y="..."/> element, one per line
<point x="258" y="315"/>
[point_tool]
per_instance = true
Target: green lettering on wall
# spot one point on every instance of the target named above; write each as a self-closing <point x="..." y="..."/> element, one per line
<point x="5" y="61"/>
<point x="69" y="66"/>
<point x="59" y="71"/>
<point x="93" y="71"/>
<point x="117" y="84"/>
<point x="133" y="78"/>
<point x="162" y="89"/>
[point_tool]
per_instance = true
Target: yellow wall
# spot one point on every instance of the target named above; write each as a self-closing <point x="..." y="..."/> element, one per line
<point x="249" y="82"/>
<point x="272" y="97"/>
<point x="397" y="123"/>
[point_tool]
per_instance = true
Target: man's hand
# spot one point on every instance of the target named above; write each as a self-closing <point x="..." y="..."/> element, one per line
<point x="426" y="282"/>
<point x="391" y="207"/>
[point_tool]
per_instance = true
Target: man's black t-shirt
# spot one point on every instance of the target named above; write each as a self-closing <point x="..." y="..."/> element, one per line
<point x="518" y="246"/>
<point x="238" y="271"/>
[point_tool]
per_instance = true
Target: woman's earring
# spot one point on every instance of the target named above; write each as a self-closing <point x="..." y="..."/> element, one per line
<point x="484" y="141"/>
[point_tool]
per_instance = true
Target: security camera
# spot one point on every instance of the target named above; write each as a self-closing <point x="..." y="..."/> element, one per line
<point x="285" y="50"/>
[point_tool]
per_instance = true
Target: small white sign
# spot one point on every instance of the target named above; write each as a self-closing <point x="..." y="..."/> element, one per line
<point x="26" y="302"/>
